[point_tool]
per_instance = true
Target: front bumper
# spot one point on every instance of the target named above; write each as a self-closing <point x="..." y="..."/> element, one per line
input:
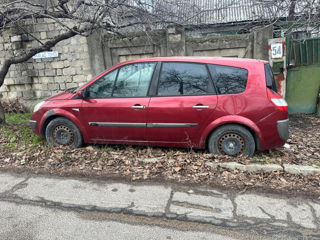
<point x="283" y="129"/>
<point x="32" y="124"/>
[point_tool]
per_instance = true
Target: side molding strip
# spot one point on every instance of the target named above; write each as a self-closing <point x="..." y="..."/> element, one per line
<point x="117" y="124"/>
<point x="150" y="125"/>
<point x="159" y="125"/>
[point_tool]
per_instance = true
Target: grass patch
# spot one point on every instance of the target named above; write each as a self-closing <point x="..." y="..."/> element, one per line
<point x="18" y="118"/>
<point x="106" y="149"/>
<point x="9" y="147"/>
<point x="18" y="135"/>
<point x="260" y="160"/>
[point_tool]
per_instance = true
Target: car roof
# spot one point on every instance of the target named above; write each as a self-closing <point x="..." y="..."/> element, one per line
<point x="212" y="60"/>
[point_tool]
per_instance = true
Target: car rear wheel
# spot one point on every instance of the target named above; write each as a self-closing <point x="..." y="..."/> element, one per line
<point x="233" y="140"/>
<point x="63" y="132"/>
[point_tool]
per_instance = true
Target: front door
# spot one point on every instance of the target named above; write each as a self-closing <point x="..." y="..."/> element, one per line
<point x="184" y="102"/>
<point x="115" y="108"/>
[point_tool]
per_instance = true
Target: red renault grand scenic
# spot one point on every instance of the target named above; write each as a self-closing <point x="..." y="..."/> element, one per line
<point x="229" y="106"/>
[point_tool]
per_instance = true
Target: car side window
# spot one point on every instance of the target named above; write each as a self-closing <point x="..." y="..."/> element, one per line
<point x="228" y="80"/>
<point x="178" y="79"/>
<point x="133" y="80"/>
<point x="271" y="83"/>
<point x="102" y="88"/>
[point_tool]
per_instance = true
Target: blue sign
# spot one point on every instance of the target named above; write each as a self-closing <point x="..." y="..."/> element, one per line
<point x="46" y="55"/>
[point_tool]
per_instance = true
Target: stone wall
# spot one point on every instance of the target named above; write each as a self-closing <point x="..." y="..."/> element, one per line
<point x="40" y="78"/>
<point x="176" y="41"/>
<point x="81" y="58"/>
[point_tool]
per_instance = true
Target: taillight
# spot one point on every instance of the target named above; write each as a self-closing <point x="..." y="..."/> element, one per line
<point x="277" y="100"/>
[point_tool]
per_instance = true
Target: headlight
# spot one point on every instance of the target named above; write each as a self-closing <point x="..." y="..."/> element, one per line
<point x="38" y="106"/>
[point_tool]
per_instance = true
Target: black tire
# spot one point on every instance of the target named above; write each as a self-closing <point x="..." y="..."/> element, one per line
<point x="63" y="132"/>
<point x="233" y="140"/>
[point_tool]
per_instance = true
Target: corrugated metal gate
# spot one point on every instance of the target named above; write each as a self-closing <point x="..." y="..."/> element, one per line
<point x="303" y="79"/>
<point x="303" y="52"/>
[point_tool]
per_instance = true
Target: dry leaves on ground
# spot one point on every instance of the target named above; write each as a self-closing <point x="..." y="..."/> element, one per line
<point x="173" y="165"/>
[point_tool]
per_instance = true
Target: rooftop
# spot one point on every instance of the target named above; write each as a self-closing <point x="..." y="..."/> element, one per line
<point x="226" y="11"/>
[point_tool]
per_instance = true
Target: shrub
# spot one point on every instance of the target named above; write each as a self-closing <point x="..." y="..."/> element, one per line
<point x="13" y="106"/>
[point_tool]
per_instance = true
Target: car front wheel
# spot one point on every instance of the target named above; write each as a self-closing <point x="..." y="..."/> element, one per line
<point x="63" y="132"/>
<point x="233" y="140"/>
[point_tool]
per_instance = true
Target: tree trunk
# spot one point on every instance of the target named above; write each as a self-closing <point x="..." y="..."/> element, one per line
<point x="292" y="8"/>
<point x="2" y="116"/>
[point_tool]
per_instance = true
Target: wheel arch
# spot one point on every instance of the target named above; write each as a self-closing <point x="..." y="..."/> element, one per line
<point x="46" y="122"/>
<point x="234" y="120"/>
<point x="253" y="133"/>
<point x="56" y="113"/>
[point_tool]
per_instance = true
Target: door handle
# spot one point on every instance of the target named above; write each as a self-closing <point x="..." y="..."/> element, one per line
<point x="200" y="106"/>
<point x="138" y="106"/>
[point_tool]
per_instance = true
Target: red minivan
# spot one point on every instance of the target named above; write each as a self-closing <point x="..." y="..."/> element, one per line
<point x="227" y="105"/>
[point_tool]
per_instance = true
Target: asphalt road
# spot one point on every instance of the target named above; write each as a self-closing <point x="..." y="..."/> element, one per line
<point x="33" y="222"/>
<point x="28" y="222"/>
<point x="40" y="207"/>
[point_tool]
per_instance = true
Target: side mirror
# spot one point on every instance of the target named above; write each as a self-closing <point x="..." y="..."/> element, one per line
<point x="79" y="94"/>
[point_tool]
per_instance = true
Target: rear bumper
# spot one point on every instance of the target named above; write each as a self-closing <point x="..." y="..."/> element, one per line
<point x="274" y="130"/>
<point x="283" y="129"/>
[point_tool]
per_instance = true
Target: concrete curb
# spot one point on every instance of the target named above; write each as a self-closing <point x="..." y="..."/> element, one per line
<point x="288" y="168"/>
<point x="248" y="168"/>
<point x="298" y="169"/>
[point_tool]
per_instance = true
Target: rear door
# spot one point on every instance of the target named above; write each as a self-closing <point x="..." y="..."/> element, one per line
<point x="184" y="100"/>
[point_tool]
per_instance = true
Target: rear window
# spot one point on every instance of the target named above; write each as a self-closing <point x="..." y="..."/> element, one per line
<point x="271" y="83"/>
<point x="229" y="80"/>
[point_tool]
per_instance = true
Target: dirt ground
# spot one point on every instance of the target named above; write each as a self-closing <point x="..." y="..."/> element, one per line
<point x="304" y="140"/>
<point x="22" y="151"/>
